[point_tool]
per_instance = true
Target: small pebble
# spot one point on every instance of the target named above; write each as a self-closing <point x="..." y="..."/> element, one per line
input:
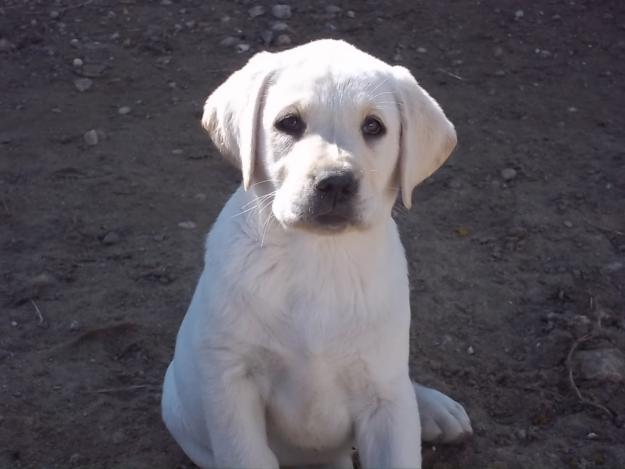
<point x="351" y="14"/>
<point x="110" y="238"/>
<point x="281" y="11"/>
<point x="242" y="48"/>
<point x="187" y="225"/>
<point x="14" y="323"/>
<point x="124" y="110"/>
<point x="267" y="36"/>
<point x="614" y="266"/>
<point x="228" y="41"/>
<point x="54" y="14"/>
<point x="279" y="26"/>
<point x="83" y="84"/>
<point x="498" y="51"/>
<point x="177" y="151"/>
<point x="75" y="458"/>
<point x="77" y="62"/>
<point x="422" y="50"/>
<point x="74" y="325"/>
<point x="500" y="73"/>
<point x="256" y="11"/>
<point x="91" y="137"/>
<point x="518" y="14"/>
<point x="508" y="174"/>
<point x="601" y="365"/>
<point x="568" y="223"/>
<point x="592" y="436"/>
<point x="470" y="350"/>
<point x="332" y="9"/>
<point x="283" y="40"/>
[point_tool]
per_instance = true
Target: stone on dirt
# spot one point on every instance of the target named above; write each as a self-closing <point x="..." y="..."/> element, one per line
<point x="508" y="174"/>
<point x="602" y="365"/>
<point x="281" y="11"/>
<point x="91" y="137"/>
<point x="83" y="84"/>
<point x="111" y="238"/>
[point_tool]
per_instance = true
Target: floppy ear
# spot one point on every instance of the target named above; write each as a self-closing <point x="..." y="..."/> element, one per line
<point x="232" y="114"/>
<point x="427" y="136"/>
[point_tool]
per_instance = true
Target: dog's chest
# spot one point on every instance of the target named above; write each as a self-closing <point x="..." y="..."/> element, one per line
<point x="308" y="401"/>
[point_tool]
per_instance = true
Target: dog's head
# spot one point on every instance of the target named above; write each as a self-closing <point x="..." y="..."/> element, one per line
<point x="329" y="132"/>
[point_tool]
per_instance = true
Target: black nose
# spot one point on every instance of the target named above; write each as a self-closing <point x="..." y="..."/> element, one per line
<point x="340" y="186"/>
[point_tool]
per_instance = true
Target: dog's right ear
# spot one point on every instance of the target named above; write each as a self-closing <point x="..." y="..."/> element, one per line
<point x="232" y="114"/>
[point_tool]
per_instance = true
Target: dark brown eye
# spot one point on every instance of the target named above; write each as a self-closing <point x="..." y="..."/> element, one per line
<point x="290" y="124"/>
<point x="372" y="127"/>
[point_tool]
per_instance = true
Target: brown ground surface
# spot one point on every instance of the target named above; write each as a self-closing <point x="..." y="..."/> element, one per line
<point x="507" y="275"/>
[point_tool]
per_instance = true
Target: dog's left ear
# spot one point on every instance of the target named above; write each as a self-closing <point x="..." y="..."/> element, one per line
<point x="232" y="114"/>
<point x="427" y="136"/>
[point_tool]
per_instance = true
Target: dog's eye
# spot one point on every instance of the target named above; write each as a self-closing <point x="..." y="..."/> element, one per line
<point x="372" y="127"/>
<point x="290" y="124"/>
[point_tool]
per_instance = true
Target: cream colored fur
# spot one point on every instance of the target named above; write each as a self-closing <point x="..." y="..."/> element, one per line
<point x="295" y="345"/>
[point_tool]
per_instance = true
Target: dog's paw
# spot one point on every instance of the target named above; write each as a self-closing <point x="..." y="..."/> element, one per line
<point x="443" y="420"/>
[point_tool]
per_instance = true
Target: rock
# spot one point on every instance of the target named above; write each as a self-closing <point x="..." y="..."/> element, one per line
<point x="83" y="84"/>
<point x="187" y="225"/>
<point x="332" y="9"/>
<point x="603" y="365"/>
<point x="508" y="174"/>
<point x="518" y="14"/>
<point x="267" y="36"/>
<point x="124" y="110"/>
<point x="41" y="281"/>
<point x="283" y="40"/>
<point x="77" y="62"/>
<point x="351" y="14"/>
<point x="281" y="11"/>
<point x="422" y="50"/>
<point x="91" y="137"/>
<point x="256" y="11"/>
<point x="229" y="41"/>
<point x="93" y="70"/>
<point x="279" y="26"/>
<point x="614" y="267"/>
<point x="470" y="350"/>
<point x="110" y="238"/>
<point x="54" y="14"/>
<point x="5" y="45"/>
<point x="242" y="47"/>
<point x="568" y="223"/>
<point x="74" y="325"/>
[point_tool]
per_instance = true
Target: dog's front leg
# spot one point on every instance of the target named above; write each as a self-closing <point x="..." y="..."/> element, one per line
<point x="389" y="436"/>
<point x="236" y="421"/>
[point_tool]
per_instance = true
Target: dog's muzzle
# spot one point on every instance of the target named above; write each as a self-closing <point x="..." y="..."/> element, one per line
<point x="332" y="201"/>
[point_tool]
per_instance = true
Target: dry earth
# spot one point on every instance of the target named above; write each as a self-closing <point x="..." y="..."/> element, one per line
<point x="516" y="247"/>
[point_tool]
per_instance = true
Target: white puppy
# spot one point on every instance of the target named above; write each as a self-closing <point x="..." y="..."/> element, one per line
<point x="295" y="346"/>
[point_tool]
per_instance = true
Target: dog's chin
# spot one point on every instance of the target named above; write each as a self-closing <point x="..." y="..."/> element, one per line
<point x="327" y="224"/>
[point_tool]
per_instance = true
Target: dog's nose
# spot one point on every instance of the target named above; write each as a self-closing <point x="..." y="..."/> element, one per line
<point x="340" y="186"/>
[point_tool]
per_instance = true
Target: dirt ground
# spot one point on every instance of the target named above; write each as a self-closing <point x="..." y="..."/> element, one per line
<point x="516" y="247"/>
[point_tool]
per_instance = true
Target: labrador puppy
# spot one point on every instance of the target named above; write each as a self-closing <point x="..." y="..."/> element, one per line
<point x="295" y="346"/>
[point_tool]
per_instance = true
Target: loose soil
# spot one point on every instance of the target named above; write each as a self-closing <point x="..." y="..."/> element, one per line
<point x="512" y="277"/>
